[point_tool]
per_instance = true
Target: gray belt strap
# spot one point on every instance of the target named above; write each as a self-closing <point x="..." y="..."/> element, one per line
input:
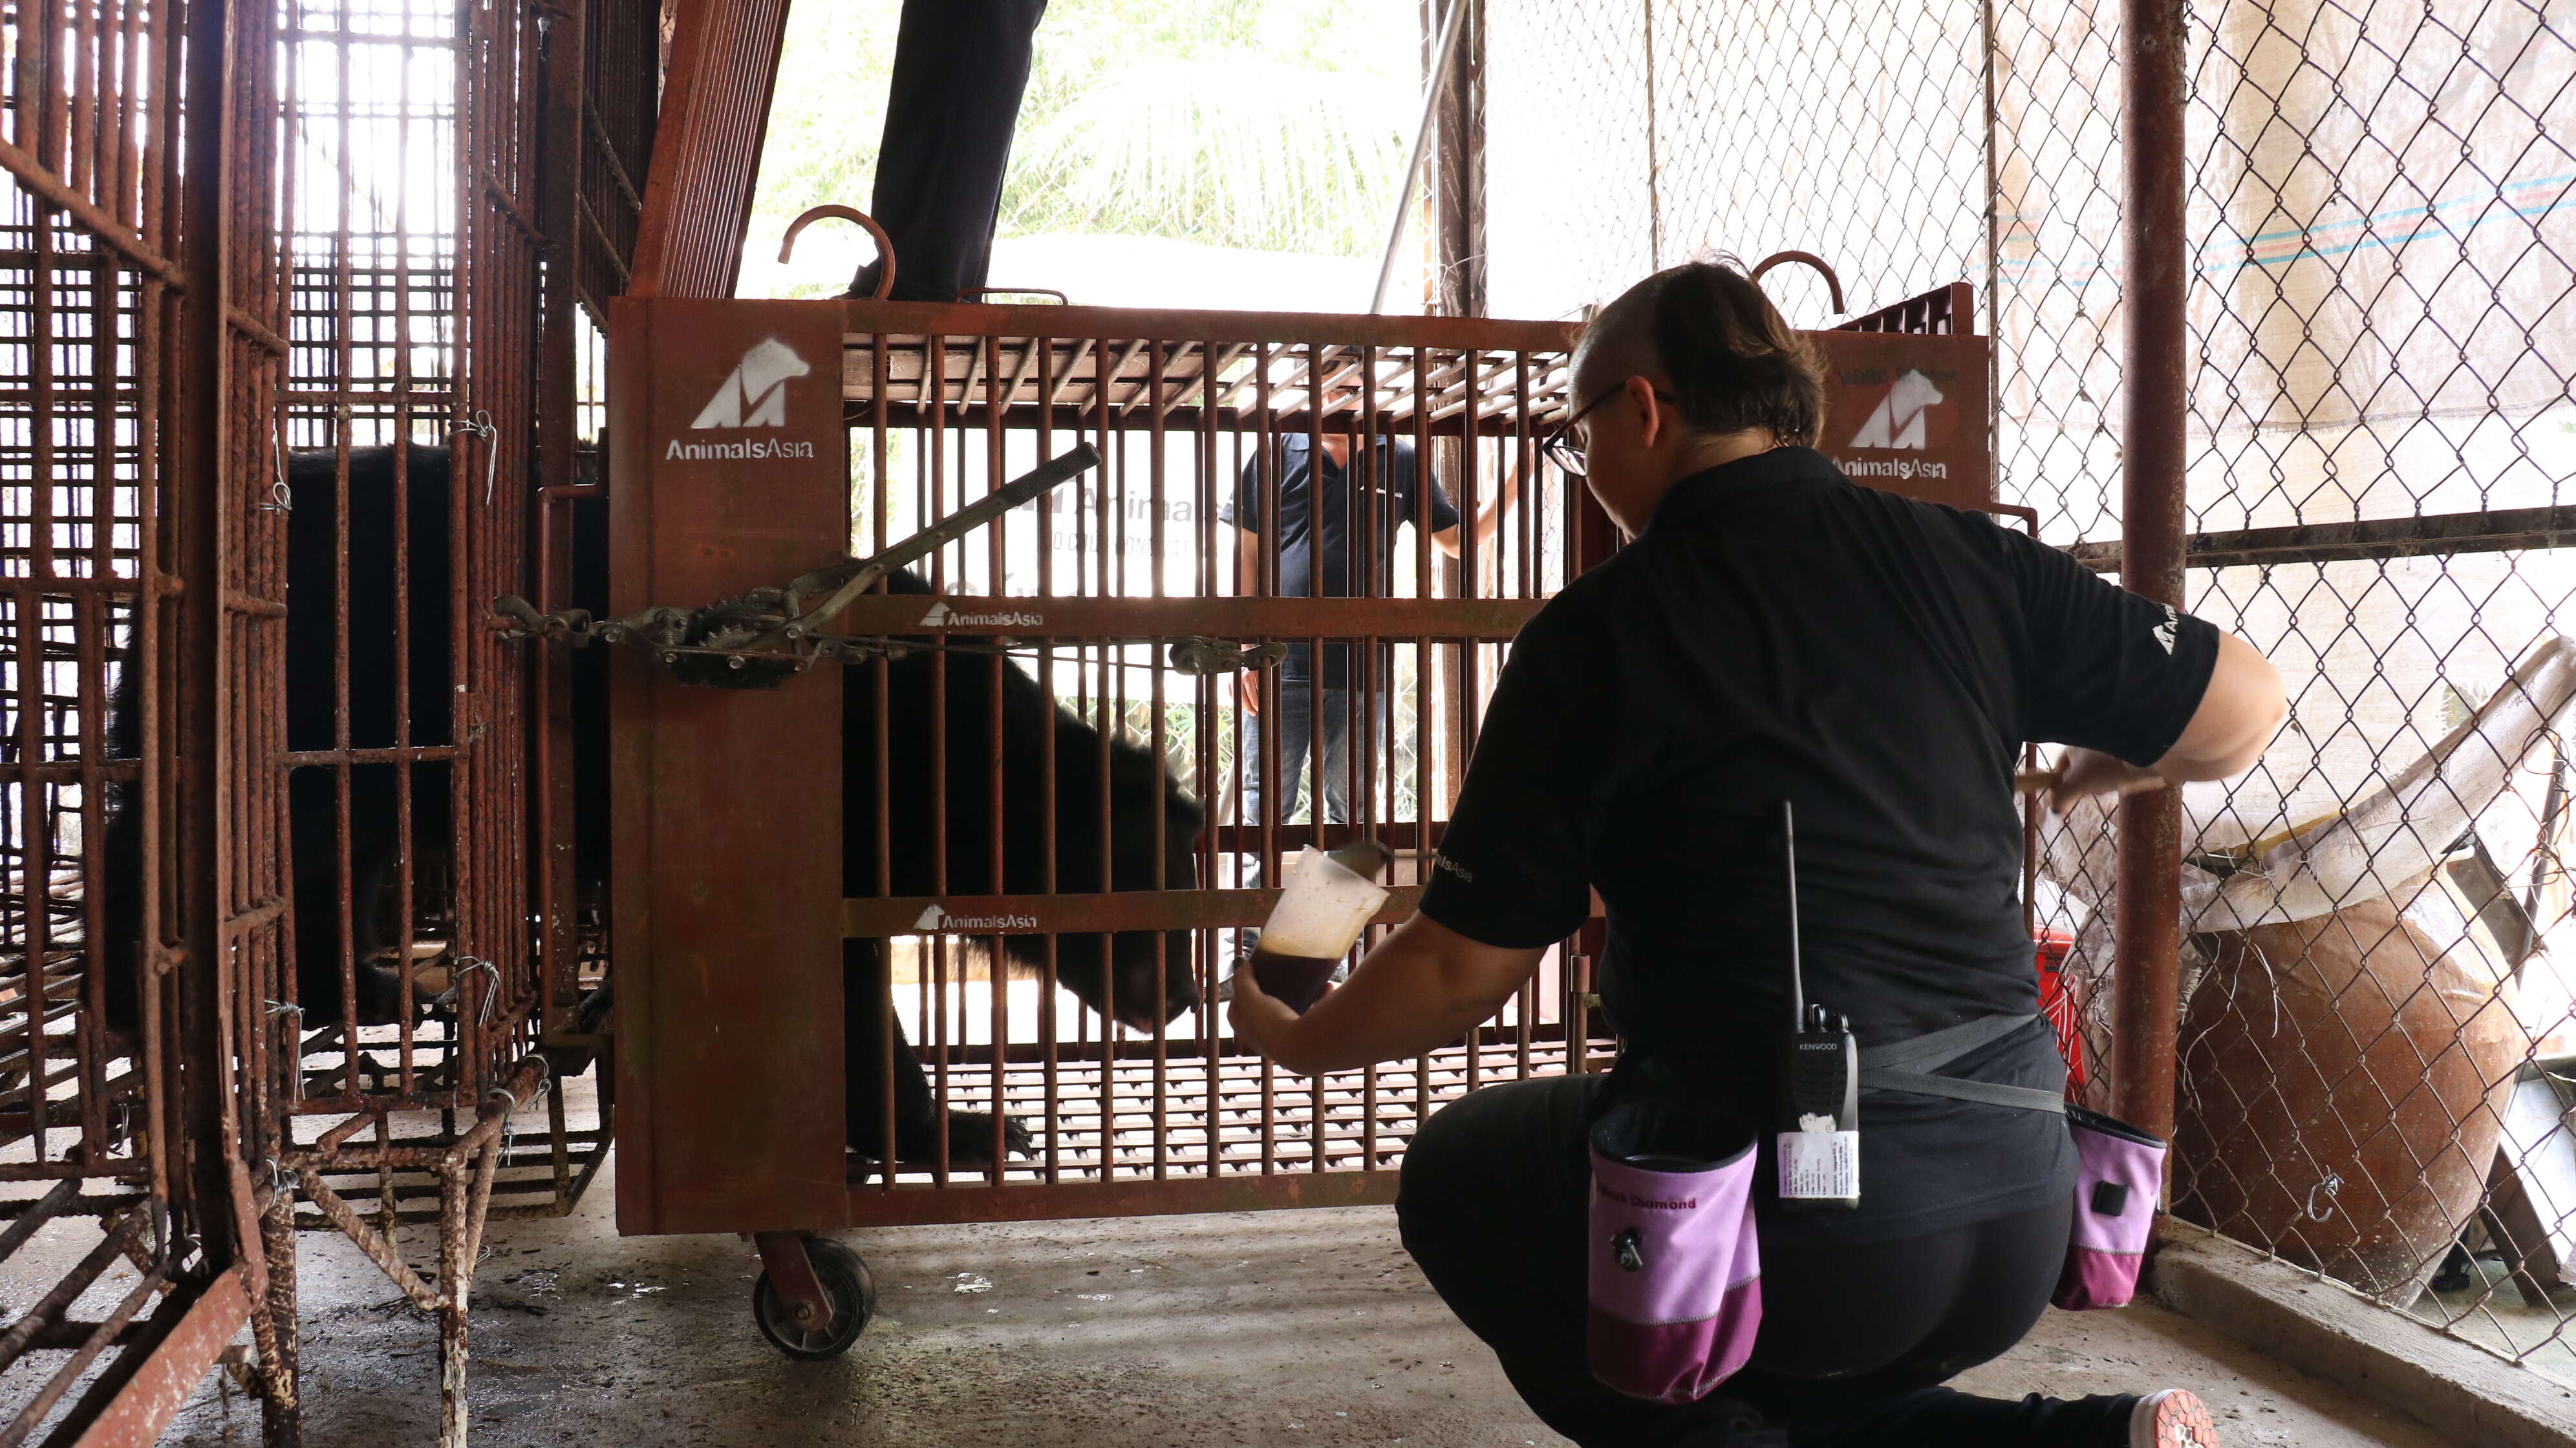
<point x="1908" y="1066"/>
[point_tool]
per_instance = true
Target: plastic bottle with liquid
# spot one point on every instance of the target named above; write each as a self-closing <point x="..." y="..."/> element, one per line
<point x="1328" y="899"/>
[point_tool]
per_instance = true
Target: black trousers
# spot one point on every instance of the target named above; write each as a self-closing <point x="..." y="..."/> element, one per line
<point x="960" y="67"/>
<point x="1855" y="1339"/>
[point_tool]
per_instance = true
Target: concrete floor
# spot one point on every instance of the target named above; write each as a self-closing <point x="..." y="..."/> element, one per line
<point x="1290" y="1328"/>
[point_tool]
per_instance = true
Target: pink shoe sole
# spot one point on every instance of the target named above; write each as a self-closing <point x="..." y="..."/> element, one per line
<point x="2174" y="1418"/>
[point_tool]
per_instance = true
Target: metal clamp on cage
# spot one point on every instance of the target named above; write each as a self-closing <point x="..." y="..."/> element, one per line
<point x="1197" y="655"/>
<point x="762" y="638"/>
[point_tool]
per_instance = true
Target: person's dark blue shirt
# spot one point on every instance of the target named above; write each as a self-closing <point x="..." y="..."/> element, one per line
<point x="1355" y="525"/>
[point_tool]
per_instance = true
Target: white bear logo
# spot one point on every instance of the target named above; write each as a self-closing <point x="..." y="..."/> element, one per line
<point x="1897" y="422"/>
<point x="754" y="394"/>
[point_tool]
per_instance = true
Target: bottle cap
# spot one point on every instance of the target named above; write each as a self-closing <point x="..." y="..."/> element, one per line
<point x="1363" y="857"/>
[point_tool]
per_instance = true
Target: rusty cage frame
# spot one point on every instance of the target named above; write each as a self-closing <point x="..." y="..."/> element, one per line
<point x="134" y="929"/>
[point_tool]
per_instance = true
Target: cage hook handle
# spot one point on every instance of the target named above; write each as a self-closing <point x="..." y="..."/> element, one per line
<point x="2331" y="1186"/>
<point x="833" y="210"/>
<point x="1833" y="284"/>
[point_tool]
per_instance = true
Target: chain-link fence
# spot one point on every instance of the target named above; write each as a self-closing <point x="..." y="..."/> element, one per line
<point x="2376" y="1066"/>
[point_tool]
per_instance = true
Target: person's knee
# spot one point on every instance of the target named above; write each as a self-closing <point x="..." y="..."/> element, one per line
<point x="1426" y="1182"/>
<point x="1500" y="1143"/>
<point x="1447" y="1168"/>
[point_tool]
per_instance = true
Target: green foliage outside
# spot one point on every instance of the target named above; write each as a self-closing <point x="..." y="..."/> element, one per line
<point x="1268" y="125"/>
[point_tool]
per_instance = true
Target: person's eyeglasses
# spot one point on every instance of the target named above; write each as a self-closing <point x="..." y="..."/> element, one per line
<point x="1559" y="446"/>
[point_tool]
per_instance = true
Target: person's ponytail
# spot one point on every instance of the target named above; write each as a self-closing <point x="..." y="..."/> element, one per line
<point x="1736" y="365"/>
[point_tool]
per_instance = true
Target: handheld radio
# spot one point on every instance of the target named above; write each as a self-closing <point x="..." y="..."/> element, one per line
<point x="1819" y="1126"/>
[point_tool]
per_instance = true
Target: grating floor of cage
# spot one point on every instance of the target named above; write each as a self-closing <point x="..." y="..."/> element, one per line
<point x="553" y="1151"/>
<point x="1188" y="1116"/>
<point x="378" y="1056"/>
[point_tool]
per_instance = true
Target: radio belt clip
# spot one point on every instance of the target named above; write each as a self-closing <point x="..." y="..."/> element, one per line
<point x="1819" y="1128"/>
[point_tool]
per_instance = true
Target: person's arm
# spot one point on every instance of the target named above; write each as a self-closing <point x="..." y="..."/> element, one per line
<point x="2237" y="716"/>
<point x="1512" y="876"/>
<point x="1245" y="514"/>
<point x="1423" y="987"/>
<point x="2147" y="695"/>
<point x="1487" y="522"/>
<point x="1247" y="582"/>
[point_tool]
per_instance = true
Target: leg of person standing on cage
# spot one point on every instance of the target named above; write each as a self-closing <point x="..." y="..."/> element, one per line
<point x="960" y="67"/>
<point x="1294" y="734"/>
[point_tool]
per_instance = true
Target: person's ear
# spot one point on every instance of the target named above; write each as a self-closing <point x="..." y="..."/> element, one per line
<point x="1653" y="419"/>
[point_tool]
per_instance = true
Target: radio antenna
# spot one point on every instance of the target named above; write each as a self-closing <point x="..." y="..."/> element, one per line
<point x="1789" y="873"/>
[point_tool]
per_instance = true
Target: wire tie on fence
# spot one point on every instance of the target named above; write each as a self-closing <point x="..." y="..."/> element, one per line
<point x="480" y="424"/>
<point x="2331" y="1186"/>
<point x="468" y="965"/>
<point x="295" y="1070"/>
<point x="281" y="498"/>
<point x="509" y="1119"/>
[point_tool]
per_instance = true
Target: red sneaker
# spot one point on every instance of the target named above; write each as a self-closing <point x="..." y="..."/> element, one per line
<point x="2174" y="1418"/>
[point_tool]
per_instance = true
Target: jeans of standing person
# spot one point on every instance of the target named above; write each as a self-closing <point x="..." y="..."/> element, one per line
<point x="1293" y="731"/>
<point x="1855" y="1340"/>
<point x="960" y="67"/>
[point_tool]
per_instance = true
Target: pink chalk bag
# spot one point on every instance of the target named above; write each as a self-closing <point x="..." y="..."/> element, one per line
<point x="2121" y="1173"/>
<point x="1676" y="1275"/>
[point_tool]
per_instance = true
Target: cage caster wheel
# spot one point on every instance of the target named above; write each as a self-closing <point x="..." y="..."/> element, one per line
<point x="811" y="1329"/>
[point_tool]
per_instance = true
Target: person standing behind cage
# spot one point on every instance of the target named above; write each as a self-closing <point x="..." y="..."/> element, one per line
<point x="1336" y="539"/>
<point x="1775" y="633"/>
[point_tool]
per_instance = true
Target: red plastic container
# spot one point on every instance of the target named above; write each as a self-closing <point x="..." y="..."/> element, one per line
<point x="2061" y="999"/>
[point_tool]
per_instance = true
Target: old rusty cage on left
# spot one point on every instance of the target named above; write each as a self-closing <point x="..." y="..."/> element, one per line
<point x="459" y="200"/>
<point x="139" y="917"/>
<point x="267" y="269"/>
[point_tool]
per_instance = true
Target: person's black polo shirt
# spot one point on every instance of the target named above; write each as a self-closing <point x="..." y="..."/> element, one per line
<point x="1781" y="632"/>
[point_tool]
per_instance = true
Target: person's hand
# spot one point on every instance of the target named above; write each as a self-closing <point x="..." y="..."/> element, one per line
<point x="2089" y="773"/>
<point x="1247" y="686"/>
<point x="1258" y="1017"/>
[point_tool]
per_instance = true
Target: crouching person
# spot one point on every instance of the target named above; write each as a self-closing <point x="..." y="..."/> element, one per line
<point x="1775" y="633"/>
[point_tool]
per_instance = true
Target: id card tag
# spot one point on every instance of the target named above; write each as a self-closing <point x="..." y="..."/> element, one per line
<point x="1820" y="1165"/>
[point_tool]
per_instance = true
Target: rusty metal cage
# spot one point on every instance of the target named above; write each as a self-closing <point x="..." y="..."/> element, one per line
<point x="1081" y="593"/>
<point x="1194" y="430"/>
<point x="453" y="208"/>
<point x="138" y="911"/>
<point x="1032" y="790"/>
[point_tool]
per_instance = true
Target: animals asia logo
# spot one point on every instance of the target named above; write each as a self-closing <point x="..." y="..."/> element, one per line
<point x="942" y="616"/>
<point x="936" y="920"/>
<point x="1897" y="421"/>
<point x="754" y="394"/>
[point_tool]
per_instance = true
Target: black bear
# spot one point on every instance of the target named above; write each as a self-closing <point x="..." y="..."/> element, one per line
<point x="1123" y="979"/>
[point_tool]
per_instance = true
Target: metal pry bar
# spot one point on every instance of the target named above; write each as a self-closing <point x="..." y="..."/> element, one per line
<point x="751" y="628"/>
<point x="1197" y="655"/>
<point x="859" y="575"/>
